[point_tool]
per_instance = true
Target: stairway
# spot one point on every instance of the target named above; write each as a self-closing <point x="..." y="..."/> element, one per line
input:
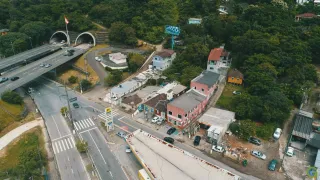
<point x="102" y="37"/>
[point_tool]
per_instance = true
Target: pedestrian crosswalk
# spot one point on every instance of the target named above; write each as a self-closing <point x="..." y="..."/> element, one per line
<point x="83" y="124"/>
<point x="63" y="145"/>
<point x="105" y="116"/>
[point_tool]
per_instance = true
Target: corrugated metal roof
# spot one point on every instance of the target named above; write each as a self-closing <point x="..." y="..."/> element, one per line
<point x="302" y="126"/>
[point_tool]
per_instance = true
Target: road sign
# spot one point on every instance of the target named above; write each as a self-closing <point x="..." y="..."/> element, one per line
<point x="73" y="99"/>
<point x="108" y="110"/>
<point x="109" y="119"/>
<point x="173" y="30"/>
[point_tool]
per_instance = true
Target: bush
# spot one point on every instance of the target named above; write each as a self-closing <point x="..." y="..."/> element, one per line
<point x="113" y="78"/>
<point x="234" y="128"/>
<point x="85" y="84"/>
<point x="266" y="130"/>
<point x="247" y="128"/>
<point x="152" y="82"/>
<point x="12" y="97"/>
<point x="82" y="146"/>
<point x="64" y="110"/>
<point x="72" y="79"/>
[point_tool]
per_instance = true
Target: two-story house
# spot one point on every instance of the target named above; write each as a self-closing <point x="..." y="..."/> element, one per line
<point x="219" y="60"/>
<point x="206" y="83"/>
<point x="163" y="59"/>
<point x="235" y="77"/>
<point x="185" y="108"/>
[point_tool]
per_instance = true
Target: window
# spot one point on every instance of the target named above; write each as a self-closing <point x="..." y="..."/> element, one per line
<point x="170" y="113"/>
<point x="156" y="59"/>
<point x="179" y="116"/>
<point x="211" y="67"/>
<point x="232" y="78"/>
<point x="185" y="115"/>
<point x="238" y="79"/>
<point x="202" y="89"/>
<point x="195" y="87"/>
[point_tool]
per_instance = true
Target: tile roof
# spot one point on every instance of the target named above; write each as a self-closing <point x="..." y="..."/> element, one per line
<point x="235" y="73"/>
<point x="189" y="100"/>
<point x="165" y="53"/>
<point x="306" y="15"/>
<point x="207" y="77"/>
<point x="154" y="101"/>
<point x="215" y="54"/>
<point x="302" y="126"/>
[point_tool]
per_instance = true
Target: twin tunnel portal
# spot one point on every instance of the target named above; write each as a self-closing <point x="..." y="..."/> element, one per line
<point x="73" y="38"/>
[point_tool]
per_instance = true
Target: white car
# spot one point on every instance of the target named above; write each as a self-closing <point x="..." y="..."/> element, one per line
<point x="155" y="119"/>
<point x="217" y="148"/>
<point x="258" y="154"/>
<point x="160" y="121"/>
<point x="277" y="133"/>
<point x="290" y="151"/>
<point x="98" y="59"/>
<point x="128" y="150"/>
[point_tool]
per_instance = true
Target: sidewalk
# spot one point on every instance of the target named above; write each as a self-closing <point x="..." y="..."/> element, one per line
<point x="10" y="136"/>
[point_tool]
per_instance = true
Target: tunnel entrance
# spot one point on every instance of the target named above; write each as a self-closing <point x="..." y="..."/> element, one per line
<point x="85" y="38"/>
<point x="59" y="37"/>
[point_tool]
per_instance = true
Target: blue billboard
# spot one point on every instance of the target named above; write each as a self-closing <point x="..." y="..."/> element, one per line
<point x="173" y="30"/>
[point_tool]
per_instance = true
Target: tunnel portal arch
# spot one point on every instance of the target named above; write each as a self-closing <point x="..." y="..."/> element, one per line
<point x="59" y="36"/>
<point x="86" y="37"/>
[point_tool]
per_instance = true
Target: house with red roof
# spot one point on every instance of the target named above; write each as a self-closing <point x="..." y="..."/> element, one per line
<point x="219" y="60"/>
<point x="163" y="59"/>
<point x="299" y="17"/>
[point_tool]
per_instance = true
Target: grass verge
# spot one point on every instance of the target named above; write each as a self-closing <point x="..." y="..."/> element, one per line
<point x="227" y="96"/>
<point x="27" y="151"/>
<point x="9" y="114"/>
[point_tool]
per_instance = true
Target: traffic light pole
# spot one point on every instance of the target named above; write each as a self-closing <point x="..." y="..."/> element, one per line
<point x="69" y="107"/>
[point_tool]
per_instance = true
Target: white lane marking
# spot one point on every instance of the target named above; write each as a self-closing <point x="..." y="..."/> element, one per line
<point x="64" y="147"/>
<point x="124" y="172"/>
<point x="122" y="117"/>
<point x="72" y="171"/>
<point x="54" y="150"/>
<point x="75" y="125"/>
<point x="110" y="174"/>
<point x="91" y="121"/>
<point x="65" y="140"/>
<point x="74" y="144"/>
<point x="61" y="137"/>
<point x="56" y="125"/>
<point x="81" y="127"/>
<point x="68" y="158"/>
<point x="60" y="146"/>
<point x="84" y="122"/>
<point x="57" y="148"/>
<point x="97" y="148"/>
<point x="88" y="130"/>
<point x="71" y="146"/>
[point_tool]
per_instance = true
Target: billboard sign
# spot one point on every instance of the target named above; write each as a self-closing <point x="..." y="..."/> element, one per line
<point x="173" y="30"/>
<point x="109" y="119"/>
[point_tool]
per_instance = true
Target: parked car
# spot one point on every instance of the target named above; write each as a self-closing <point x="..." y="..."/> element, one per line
<point x="272" y="165"/>
<point x="171" y="130"/>
<point x="14" y="78"/>
<point x="47" y="65"/>
<point x="160" y="121"/>
<point x="197" y="140"/>
<point x="277" y="133"/>
<point x="71" y="50"/>
<point x="76" y="105"/>
<point x="258" y="154"/>
<point x="4" y="79"/>
<point x="121" y="134"/>
<point x="236" y="92"/>
<point x="98" y="58"/>
<point x="155" y="119"/>
<point x="255" y="141"/>
<point x="42" y="65"/>
<point x="217" y="148"/>
<point x="169" y="140"/>
<point x="290" y="151"/>
<point x="128" y="150"/>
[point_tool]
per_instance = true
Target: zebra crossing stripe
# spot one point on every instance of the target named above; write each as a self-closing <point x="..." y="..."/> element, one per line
<point x="60" y="146"/>
<point x="84" y="125"/>
<point x="75" y="125"/>
<point x="70" y="143"/>
<point x="57" y="148"/>
<point x="64" y="147"/>
<point x="80" y="125"/>
<point x="74" y="144"/>
<point x="90" y="120"/>
<point x="65" y="140"/>
<point x="87" y="120"/>
<point x="84" y="122"/>
<point x="54" y="149"/>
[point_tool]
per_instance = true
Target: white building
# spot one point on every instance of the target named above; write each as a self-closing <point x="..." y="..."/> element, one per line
<point x="163" y="59"/>
<point x="219" y="60"/>
<point x="118" y="58"/>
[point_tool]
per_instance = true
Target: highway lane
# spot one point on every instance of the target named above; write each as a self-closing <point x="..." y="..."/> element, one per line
<point x="123" y="119"/>
<point x="33" y="70"/>
<point x="28" y="55"/>
<point x="68" y="159"/>
<point x="104" y="160"/>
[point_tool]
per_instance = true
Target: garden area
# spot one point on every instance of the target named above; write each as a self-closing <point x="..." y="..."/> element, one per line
<point x="227" y="95"/>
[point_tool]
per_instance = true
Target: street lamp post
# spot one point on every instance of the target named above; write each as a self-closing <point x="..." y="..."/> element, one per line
<point x="69" y="107"/>
<point x="30" y="42"/>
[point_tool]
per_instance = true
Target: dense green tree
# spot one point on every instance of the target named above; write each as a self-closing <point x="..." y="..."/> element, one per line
<point x="188" y="74"/>
<point x="135" y="61"/>
<point x="12" y="97"/>
<point x="123" y="33"/>
<point x="37" y="31"/>
<point x="114" y="78"/>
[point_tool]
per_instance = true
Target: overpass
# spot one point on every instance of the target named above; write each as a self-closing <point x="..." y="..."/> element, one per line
<point x="33" y="70"/>
<point x="27" y="56"/>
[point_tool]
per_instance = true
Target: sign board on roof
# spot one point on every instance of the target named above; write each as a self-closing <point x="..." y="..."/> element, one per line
<point x="173" y="30"/>
<point x="194" y="21"/>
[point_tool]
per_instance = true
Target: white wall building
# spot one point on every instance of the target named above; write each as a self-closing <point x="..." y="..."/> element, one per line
<point x="118" y="58"/>
<point x="163" y="59"/>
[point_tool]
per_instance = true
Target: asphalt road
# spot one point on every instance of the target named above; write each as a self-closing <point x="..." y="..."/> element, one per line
<point x="31" y="71"/>
<point x="68" y="159"/>
<point x="103" y="159"/>
<point x="28" y="55"/>
<point x="124" y="120"/>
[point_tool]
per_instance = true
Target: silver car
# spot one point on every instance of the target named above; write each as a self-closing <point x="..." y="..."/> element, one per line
<point x="258" y="154"/>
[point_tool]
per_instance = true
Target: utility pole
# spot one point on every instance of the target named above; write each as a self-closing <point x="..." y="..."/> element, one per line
<point x="68" y="101"/>
<point x="31" y="42"/>
<point x="12" y="48"/>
